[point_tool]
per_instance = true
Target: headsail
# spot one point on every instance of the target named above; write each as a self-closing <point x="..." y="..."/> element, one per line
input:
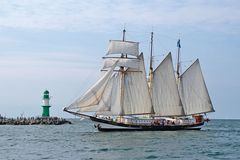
<point x="123" y="47"/>
<point x="165" y="96"/>
<point x="193" y="90"/>
<point x="91" y="99"/>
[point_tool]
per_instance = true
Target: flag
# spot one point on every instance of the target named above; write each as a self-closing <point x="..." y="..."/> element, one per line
<point x="178" y="43"/>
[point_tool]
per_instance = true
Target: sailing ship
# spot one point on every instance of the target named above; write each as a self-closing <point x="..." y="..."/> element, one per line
<point x="125" y="99"/>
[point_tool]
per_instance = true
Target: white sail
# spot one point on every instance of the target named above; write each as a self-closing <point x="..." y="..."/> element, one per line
<point x="165" y="96"/>
<point x="123" y="47"/>
<point x="194" y="92"/>
<point x="111" y="97"/>
<point x="136" y="98"/>
<point x="129" y="63"/>
<point x="115" y="95"/>
<point x="91" y="99"/>
<point x="110" y="100"/>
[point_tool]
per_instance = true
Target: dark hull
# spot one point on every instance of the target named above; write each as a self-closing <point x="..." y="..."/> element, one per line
<point x="129" y="127"/>
<point x="142" y="129"/>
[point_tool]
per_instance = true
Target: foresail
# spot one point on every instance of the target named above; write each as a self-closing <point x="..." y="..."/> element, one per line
<point x="110" y="101"/>
<point x="165" y="96"/>
<point x="91" y="99"/>
<point x="136" y="99"/>
<point x="194" y="92"/>
<point x="111" y="98"/>
<point x="123" y="47"/>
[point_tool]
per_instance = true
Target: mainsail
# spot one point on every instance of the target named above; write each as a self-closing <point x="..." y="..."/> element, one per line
<point x="165" y="96"/>
<point x="137" y="99"/>
<point x="193" y="91"/>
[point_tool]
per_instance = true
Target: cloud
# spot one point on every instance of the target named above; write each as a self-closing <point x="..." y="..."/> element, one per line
<point x="73" y="15"/>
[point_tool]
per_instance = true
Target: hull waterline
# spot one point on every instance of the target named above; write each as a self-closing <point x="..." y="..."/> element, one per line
<point x="110" y="126"/>
<point x="142" y="129"/>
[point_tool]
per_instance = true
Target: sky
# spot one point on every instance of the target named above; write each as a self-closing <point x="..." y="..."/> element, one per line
<point x="58" y="45"/>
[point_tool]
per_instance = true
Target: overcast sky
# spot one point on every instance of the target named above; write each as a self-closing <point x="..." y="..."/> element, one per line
<point x="58" y="45"/>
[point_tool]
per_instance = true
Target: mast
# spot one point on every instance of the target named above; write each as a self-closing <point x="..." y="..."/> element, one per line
<point x="178" y="59"/>
<point x="122" y="78"/>
<point x="151" y="65"/>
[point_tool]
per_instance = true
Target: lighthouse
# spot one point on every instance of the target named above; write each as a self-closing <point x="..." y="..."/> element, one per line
<point x="46" y="106"/>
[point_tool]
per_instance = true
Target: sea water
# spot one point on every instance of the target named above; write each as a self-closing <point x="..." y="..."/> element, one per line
<point x="219" y="139"/>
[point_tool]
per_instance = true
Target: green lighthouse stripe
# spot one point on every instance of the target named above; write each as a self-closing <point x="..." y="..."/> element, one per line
<point x="45" y="96"/>
<point x="45" y="112"/>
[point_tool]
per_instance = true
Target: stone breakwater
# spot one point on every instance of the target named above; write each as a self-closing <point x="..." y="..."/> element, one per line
<point x="33" y="121"/>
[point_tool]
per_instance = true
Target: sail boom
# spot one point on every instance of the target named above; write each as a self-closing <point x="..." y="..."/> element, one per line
<point x="201" y="112"/>
<point x="112" y="114"/>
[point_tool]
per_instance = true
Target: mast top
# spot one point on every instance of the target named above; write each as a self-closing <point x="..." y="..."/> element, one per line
<point x="178" y="43"/>
<point x="178" y="59"/>
<point x="151" y="51"/>
<point x="124" y="32"/>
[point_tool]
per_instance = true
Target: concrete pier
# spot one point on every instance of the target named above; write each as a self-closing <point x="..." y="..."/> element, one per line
<point x="33" y="121"/>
